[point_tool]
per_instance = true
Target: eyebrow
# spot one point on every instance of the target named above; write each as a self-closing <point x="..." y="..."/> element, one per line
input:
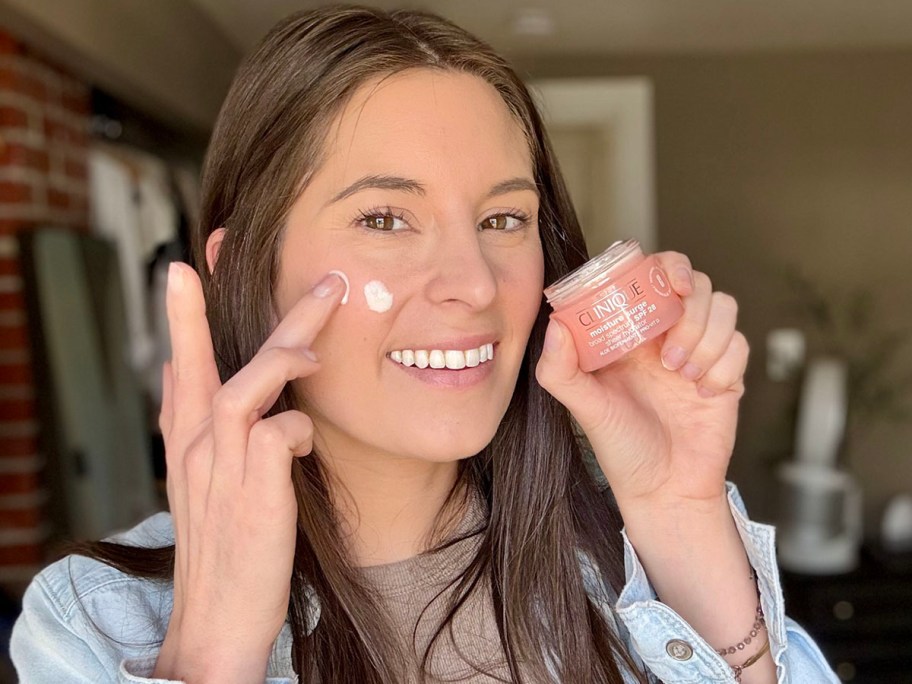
<point x="408" y="185"/>
<point x="512" y="185"/>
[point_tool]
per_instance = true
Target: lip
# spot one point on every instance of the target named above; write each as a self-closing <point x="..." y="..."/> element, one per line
<point x="453" y="379"/>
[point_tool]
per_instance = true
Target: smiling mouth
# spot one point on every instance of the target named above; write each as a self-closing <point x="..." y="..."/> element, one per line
<point x="450" y="359"/>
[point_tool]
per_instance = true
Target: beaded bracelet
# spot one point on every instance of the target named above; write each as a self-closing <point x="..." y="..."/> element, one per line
<point x="759" y="624"/>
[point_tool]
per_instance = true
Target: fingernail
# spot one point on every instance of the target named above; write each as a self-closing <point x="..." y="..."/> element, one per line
<point x="685" y="274"/>
<point x="347" y="285"/>
<point x="691" y="371"/>
<point x="331" y="282"/>
<point x="705" y="392"/>
<point x="175" y="277"/>
<point x="554" y="337"/>
<point x="673" y="358"/>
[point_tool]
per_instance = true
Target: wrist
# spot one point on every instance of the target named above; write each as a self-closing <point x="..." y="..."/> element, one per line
<point x="657" y="508"/>
<point x="201" y="663"/>
<point x="673" y="531"/>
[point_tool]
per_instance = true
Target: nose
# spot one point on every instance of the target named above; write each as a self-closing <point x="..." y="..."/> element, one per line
<point x="463" y="272"/>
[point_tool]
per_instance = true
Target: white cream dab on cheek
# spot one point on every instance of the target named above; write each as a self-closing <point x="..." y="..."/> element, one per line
<point x="378" y="298"/>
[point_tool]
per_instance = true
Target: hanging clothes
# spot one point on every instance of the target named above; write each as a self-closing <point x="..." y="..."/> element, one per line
<point x="131" y="204"/>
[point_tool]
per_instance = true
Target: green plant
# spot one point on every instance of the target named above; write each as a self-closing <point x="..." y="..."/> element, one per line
<point x="851" y="323"/>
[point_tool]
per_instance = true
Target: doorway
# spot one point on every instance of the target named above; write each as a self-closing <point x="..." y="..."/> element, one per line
<point x="602" y="133"/>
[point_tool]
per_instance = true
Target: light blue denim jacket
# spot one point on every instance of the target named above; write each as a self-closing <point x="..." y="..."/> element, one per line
<point x="54" y="640"/>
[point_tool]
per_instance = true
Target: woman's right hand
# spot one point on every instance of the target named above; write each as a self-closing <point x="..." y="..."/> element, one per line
<point x="229" y="486"/>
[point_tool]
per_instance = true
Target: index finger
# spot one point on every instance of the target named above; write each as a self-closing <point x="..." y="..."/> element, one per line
<point x="302" y="323"/>
<point x="195" y="375"/>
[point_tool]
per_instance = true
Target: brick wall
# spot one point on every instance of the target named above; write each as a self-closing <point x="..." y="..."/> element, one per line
<point x="44" y="123"/>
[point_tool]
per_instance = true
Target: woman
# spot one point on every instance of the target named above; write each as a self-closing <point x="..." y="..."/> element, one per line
<point x="377" y="184"/>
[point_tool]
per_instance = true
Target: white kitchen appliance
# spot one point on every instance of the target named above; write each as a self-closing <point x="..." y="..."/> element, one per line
<point x="820" y="512"/>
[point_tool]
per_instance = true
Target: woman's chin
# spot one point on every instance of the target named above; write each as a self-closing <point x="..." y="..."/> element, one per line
<point x="447" y="448"/>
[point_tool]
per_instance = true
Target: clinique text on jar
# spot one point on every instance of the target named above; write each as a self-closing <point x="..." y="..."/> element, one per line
<point x="614" y="303"/>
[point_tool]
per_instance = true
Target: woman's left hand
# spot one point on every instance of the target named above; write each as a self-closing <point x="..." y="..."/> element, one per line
<point x="660" y="435"/>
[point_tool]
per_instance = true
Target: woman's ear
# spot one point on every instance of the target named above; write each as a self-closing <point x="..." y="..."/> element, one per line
<point x="213" y="244"/>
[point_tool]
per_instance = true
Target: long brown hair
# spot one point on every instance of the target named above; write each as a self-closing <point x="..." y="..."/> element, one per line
<point x="544" y="508"/>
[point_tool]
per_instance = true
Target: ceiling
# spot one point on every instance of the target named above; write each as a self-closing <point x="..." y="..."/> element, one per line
<point x="627" y="26"/>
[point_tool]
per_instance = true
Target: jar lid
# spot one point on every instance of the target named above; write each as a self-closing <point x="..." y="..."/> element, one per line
<point x="594" y="273"/>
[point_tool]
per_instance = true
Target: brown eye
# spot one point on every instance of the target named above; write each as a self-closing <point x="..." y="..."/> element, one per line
<point x="503" y="222"/>
<point x="381" y="222"/>
<point x="496" y="222"/>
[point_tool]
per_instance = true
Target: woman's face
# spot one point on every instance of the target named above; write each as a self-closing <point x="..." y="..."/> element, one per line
<point x="426" y="187"/>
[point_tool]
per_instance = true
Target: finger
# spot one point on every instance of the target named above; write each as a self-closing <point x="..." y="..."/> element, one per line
<point x="723" y="317"/>
<point x="680" y="271"/>
<point x="252" y="391"/>
<point x="273" y="443"/>
<point x="175" y="488"/>
<point x="175" y="481"/>
<point x="194" y="373"/>
<point x="166" y="414"/>
<point x="684" y="335"/>
<point x="728" y="371"/>
<point x="559" y="373"/>
<point x="241" y="403"/>
<point x="307" y="317"/>
<point x="285" y="356"/>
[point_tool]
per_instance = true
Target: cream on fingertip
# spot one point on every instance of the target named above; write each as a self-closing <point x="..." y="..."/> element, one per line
<point x="347" y="285"/>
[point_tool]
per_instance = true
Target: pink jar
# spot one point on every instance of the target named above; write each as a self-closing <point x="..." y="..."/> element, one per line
<point x="613" y="303"/>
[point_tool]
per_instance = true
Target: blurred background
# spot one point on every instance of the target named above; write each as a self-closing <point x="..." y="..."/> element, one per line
<point x="770" y="141"/>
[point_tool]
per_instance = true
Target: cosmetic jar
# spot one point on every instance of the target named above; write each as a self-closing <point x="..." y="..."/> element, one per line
<point x="613" y="303"/>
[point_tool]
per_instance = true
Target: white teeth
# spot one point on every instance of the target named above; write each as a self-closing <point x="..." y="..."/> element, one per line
<point x="454" y="359"/>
